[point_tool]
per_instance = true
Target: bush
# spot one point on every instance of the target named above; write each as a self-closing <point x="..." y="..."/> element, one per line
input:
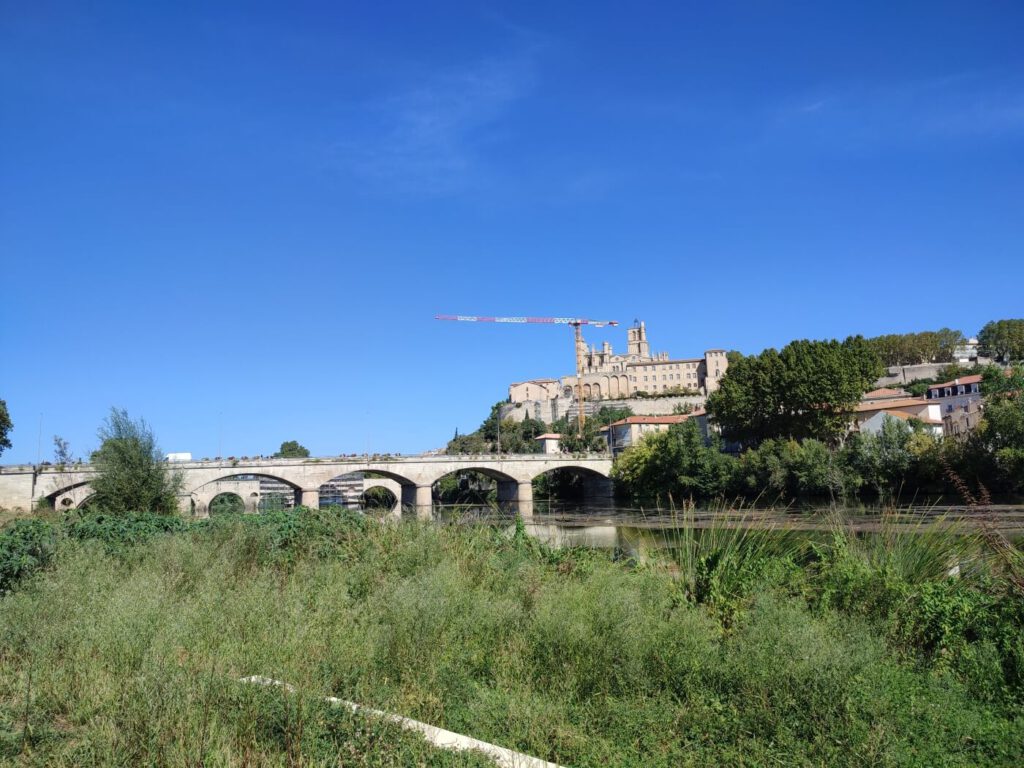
<point x="117" y="531"/>
<point x="25" y="547"/>
<point x="131" y="474"/>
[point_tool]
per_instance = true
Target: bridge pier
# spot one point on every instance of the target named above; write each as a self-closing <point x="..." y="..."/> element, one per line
<point x="310" y="497"/>
<point x="524" y="500"/>
<point x="419" y="499"/>
<point x="518" y="493"/>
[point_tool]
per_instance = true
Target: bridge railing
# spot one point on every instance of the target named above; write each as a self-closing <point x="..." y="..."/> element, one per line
<point x="366" y="458"/>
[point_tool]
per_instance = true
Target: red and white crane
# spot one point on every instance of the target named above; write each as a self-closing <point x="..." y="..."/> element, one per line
<point x="575" y="322"/>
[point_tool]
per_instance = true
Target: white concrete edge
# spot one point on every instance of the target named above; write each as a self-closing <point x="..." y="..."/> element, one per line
<point x="506" y="758"/>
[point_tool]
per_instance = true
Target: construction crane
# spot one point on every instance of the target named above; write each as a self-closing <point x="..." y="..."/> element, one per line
<point x="575" y="322"/>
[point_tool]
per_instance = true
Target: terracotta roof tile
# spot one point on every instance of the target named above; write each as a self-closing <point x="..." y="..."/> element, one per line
<point x="673" y="418"/>
<point x="909" y="402"/>
<point x="884" y="392"/>
<point x="975" y="379"/>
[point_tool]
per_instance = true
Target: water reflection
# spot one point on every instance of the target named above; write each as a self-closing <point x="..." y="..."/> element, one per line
<point x="608" y="525"/>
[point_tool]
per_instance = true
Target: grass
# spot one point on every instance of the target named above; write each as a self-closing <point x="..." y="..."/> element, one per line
<point x="126" y="649"/>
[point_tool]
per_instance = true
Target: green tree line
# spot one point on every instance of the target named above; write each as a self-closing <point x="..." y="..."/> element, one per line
<point x="903" y="460"/>
<point x="497" y="435"/>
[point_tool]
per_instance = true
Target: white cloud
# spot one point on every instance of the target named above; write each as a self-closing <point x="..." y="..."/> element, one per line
<point x="431" y="137"/>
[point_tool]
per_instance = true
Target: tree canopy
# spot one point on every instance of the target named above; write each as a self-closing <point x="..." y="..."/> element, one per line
<point x="916" y="348"/>
<point x="5" y="426"/>
<point x="131" y="474"/>
<point x="512" y="436"/>
<point x="1003" y="340"/>
<point x="1001" y="432"/>
<point x="674" y="465"/>
<point x="291" y="449"/>
<point x="808" y="390"/>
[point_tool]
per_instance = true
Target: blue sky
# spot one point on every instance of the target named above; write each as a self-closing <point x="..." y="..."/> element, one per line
<point x="238" y="221"/>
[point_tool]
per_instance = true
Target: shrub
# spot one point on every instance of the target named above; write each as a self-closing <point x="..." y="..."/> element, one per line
<point x="131" y="474"/>
<point x="25" y="547"/>
<point x="117" y="531"/>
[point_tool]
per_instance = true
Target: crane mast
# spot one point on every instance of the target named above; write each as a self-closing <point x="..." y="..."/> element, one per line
<point x="576" y="322"/>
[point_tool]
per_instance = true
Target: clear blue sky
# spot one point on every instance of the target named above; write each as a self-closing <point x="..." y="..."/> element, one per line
<point x="238" y="222"/>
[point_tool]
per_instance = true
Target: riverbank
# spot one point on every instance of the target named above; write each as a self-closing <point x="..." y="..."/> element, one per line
<point x="125" y="645"/>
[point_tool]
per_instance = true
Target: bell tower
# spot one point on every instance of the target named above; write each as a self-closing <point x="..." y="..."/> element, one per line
<point x="637" y="340"/>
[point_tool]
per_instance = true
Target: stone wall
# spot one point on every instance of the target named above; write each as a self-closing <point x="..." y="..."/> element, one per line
<point x="552" y="410"/>
<point x="903" y="374"/>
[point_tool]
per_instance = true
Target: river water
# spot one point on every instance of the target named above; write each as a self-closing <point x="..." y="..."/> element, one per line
<point x="633" y="530"/>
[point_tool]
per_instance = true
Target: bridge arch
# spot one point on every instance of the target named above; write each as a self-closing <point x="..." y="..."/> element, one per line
<point x="71" y="496"/>
<point x="573" y="484"/>
<point x="476" y="486"/>
<point x="381" y="493"/>
<point x="257" y="490"/>
<point x="349" y="486"/>
<point x="226" y="502"/>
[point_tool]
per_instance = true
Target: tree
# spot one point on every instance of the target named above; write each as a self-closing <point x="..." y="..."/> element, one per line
<point x="1001" y="432"/>
<point x="808" y="390"/>
<point x="673" y="465"/>
<point x="608" y="415"/>
<point x="510" y="435"/>
<point x="1003" y="340"/>
<point x="915" y="348"/>
<point x="883" y="459"/>
<point x="291" y="449"/>
<point x="5" y="426"/>
<point x="131" y="475"/>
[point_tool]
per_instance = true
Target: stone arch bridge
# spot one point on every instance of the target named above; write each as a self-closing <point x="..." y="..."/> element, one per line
<point x="22" y="487"/>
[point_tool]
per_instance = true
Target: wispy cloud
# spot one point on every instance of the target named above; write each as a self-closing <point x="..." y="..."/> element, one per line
<point x="961" y="106"/>
<point x="431" y="138"/>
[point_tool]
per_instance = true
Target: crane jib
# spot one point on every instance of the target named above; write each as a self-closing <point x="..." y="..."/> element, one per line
<point x="577" y="321"/>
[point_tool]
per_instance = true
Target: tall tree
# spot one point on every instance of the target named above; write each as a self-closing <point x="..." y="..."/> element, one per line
<point x="916" y="348"/>
<point x="999" y="438"/>
<point x="5" y="426"/>
<point x="131" y="474"/>
<point x="808" y="390"/>
<point x="1003" y="340"/>
<point x="291" y="449"/>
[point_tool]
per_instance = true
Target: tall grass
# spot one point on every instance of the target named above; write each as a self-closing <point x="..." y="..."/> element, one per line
<point x="128" y="653"/>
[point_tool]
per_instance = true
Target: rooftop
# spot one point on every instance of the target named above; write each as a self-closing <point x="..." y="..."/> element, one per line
<point x="907" y="416"/>
<point x="672" y="418"/>
<point x="884" y="393"/>
<point x="908" y="402"/>
<point x="975" y="379"/>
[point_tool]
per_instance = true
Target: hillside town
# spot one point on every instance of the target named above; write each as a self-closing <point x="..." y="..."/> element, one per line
<point x="660" y="391"/>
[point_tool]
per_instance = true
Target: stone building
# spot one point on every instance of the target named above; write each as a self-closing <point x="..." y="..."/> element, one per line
<point x="955" y="394"/>
<point x="607" y="375"/>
